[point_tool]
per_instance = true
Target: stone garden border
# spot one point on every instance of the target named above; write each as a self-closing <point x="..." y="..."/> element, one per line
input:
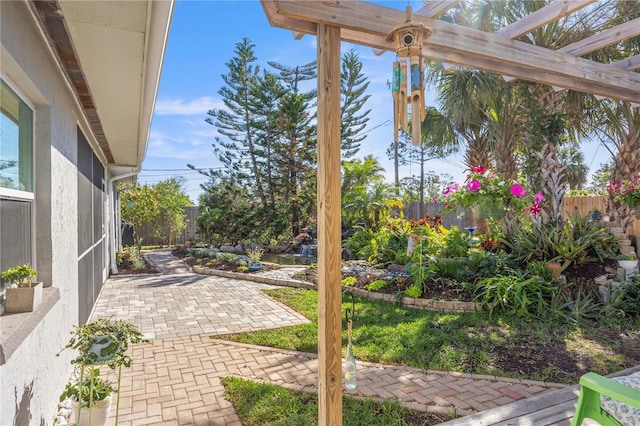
<point x="453" y="306"/>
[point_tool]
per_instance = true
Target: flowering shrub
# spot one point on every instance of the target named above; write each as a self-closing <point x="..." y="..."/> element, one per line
<point x="627" y="191"/>
<point x="484" y="189"/>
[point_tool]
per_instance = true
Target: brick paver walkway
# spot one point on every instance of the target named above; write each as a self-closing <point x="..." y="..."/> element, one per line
<point x="175" y="379"/>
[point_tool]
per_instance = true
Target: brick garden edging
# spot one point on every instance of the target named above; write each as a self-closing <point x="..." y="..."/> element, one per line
<point x="454" y="306"/>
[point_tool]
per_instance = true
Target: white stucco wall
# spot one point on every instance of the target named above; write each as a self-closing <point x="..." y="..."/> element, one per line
<point x="33" y="377"/>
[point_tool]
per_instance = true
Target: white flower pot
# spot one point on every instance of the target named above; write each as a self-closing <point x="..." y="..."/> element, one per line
<point x="98" y="414"/>
<point x="627" y="264"/>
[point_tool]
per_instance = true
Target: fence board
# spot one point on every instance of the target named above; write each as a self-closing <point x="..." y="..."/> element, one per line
<point x="148" y="237"/>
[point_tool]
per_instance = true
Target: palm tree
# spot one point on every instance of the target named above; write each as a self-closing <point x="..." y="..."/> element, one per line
<point x="619" y="132"/>
<point x="365" y="196"/>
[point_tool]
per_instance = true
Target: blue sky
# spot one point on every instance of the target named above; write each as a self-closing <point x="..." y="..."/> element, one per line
<point x="202" y="40"/>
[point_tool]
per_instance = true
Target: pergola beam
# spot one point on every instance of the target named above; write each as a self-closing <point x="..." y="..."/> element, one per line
<point x="605" y="38"/>
<point x="543" y="16"/>
<point x="506" y="57"/>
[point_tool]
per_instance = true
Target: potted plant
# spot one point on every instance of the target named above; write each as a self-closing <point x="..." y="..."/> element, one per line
<point x="24" y="295"/>
<point x="104" y="341"/>
<point x="254" y="255"/>
<point x="90" y="397"/>
<point x="596" y="214"/>
<point x="627" y="261"/>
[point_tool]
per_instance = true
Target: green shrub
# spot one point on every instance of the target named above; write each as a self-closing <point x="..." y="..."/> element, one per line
<point x="227" y="257"/>
<point x="242" y="268"/>
<point x="376" y="285"/>
<point x="349" y="281"/>
<point x="414" y="291"/>
<point x="513" y="294"/>
<point x="576" y="242"/>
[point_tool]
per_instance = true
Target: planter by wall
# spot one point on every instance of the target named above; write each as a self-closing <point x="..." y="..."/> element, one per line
<point x="627" y="264"/>
<point x="98" y="414"/>
<point x="23" y="299"/>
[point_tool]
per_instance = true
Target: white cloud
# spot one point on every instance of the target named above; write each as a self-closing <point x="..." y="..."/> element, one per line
<point x="197" y="106"/>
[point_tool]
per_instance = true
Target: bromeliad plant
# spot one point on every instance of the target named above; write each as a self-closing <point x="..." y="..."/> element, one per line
<point x="484" y="189"/>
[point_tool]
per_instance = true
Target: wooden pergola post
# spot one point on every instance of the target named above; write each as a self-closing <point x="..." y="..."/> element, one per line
<point x="329" y="227"/>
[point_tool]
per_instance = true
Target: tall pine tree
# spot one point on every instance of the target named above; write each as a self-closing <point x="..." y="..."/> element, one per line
<point x="353" y="85"/>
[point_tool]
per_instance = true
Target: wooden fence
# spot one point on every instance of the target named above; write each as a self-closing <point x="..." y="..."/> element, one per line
<point x="583" y="205"/>
<point x="147" y="231"/>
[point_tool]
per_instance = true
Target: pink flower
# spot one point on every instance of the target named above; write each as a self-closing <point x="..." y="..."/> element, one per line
<point x="474" y="185"/>
<point x="451" y="188"/>
<point x="479" y="169"/>
<point x="538" y="198"/>
<point x="517" y="191"/>
<point x="535" y="209"/>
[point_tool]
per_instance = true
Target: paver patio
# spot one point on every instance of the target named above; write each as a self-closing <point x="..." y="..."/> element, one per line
<point x="175" y="379"/>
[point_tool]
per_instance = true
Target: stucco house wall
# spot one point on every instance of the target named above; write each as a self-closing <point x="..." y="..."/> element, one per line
<point x="31" y="375"/>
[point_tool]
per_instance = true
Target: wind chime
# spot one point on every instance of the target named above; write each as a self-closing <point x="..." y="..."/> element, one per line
<point x="350" y="379"/>
<point x="408" y="38"/>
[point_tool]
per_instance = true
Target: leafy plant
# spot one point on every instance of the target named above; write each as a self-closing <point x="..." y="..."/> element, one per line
<point x="576" y="242"/>
<point x="349" y="281"/>
<point x="414" y="291"/>
<point x="627" y="191"/>
<point x="255" y="254"/>
<point x="626" y="256"/>
<point x="20" y="276"/>
<point x="88" y="388"/>
<point x="376" y="285"/>
<point x="514" y="294"/>
<point x="227" y="257"/>
<point x="242" y="268"/>
<point x="112" y="336"/>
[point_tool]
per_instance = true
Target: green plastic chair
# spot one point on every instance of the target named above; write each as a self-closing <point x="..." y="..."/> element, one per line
<point x="589" y="404"/>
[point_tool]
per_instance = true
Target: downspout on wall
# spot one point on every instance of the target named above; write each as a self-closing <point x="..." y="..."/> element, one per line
<point x="115" y="216"/>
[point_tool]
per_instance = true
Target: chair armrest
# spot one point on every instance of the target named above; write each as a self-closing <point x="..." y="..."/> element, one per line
<point x="611" y="388"/>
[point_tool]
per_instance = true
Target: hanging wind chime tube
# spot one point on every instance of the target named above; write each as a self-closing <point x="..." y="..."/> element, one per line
<point x="395" y="92"/>
<point x="408" y="38"/>
<point x="350" y="376"/>
<point x="404" y="111"/>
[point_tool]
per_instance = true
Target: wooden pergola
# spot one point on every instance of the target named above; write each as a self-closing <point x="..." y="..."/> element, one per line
<point x="368" y="24"/>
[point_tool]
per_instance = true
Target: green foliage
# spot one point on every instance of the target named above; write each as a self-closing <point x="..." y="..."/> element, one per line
<point x="227" y="257"/>
<point x="242" y="268"/>
<point x="376" y="285"/>
<point x="465" y="342"/>
<point x="414" y="291"/>
<point x="366" y="198"/>
<point x="576" y="242"/>
<point x="514" y="294"/>
<point x="88" y="389"/>
<point x="259" y="404"/>
<point x="118" y="334"/>
<point x="255" y="254"/>
<point x="540" y="269"/>
<point x="161" y="205"/>
<point x="20" y="276"/>
<point x="349" y="281"/>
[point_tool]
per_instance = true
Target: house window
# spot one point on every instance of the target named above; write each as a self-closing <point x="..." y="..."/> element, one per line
<point x="16" y="179"/>
<point x="16" y="141"/>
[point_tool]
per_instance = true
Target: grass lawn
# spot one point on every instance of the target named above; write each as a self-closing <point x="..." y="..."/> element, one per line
<point x="469" y="342"/>
<point x="260" y="404"/>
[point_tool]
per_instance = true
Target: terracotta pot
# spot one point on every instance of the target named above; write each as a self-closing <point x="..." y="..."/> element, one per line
<point x="555" y="267"/>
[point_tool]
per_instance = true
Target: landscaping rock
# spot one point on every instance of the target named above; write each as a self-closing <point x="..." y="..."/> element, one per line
<point x="227" y="249"/>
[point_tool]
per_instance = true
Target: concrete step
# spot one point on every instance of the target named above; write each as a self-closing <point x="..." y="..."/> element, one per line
<point x="627" y="249"/>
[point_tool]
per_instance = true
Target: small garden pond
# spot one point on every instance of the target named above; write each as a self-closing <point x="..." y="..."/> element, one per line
<point x="288" y="259"/>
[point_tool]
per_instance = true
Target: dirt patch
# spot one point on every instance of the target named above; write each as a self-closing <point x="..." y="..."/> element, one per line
<point x="219" y="264"/>
<point x="130" y="269"/>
